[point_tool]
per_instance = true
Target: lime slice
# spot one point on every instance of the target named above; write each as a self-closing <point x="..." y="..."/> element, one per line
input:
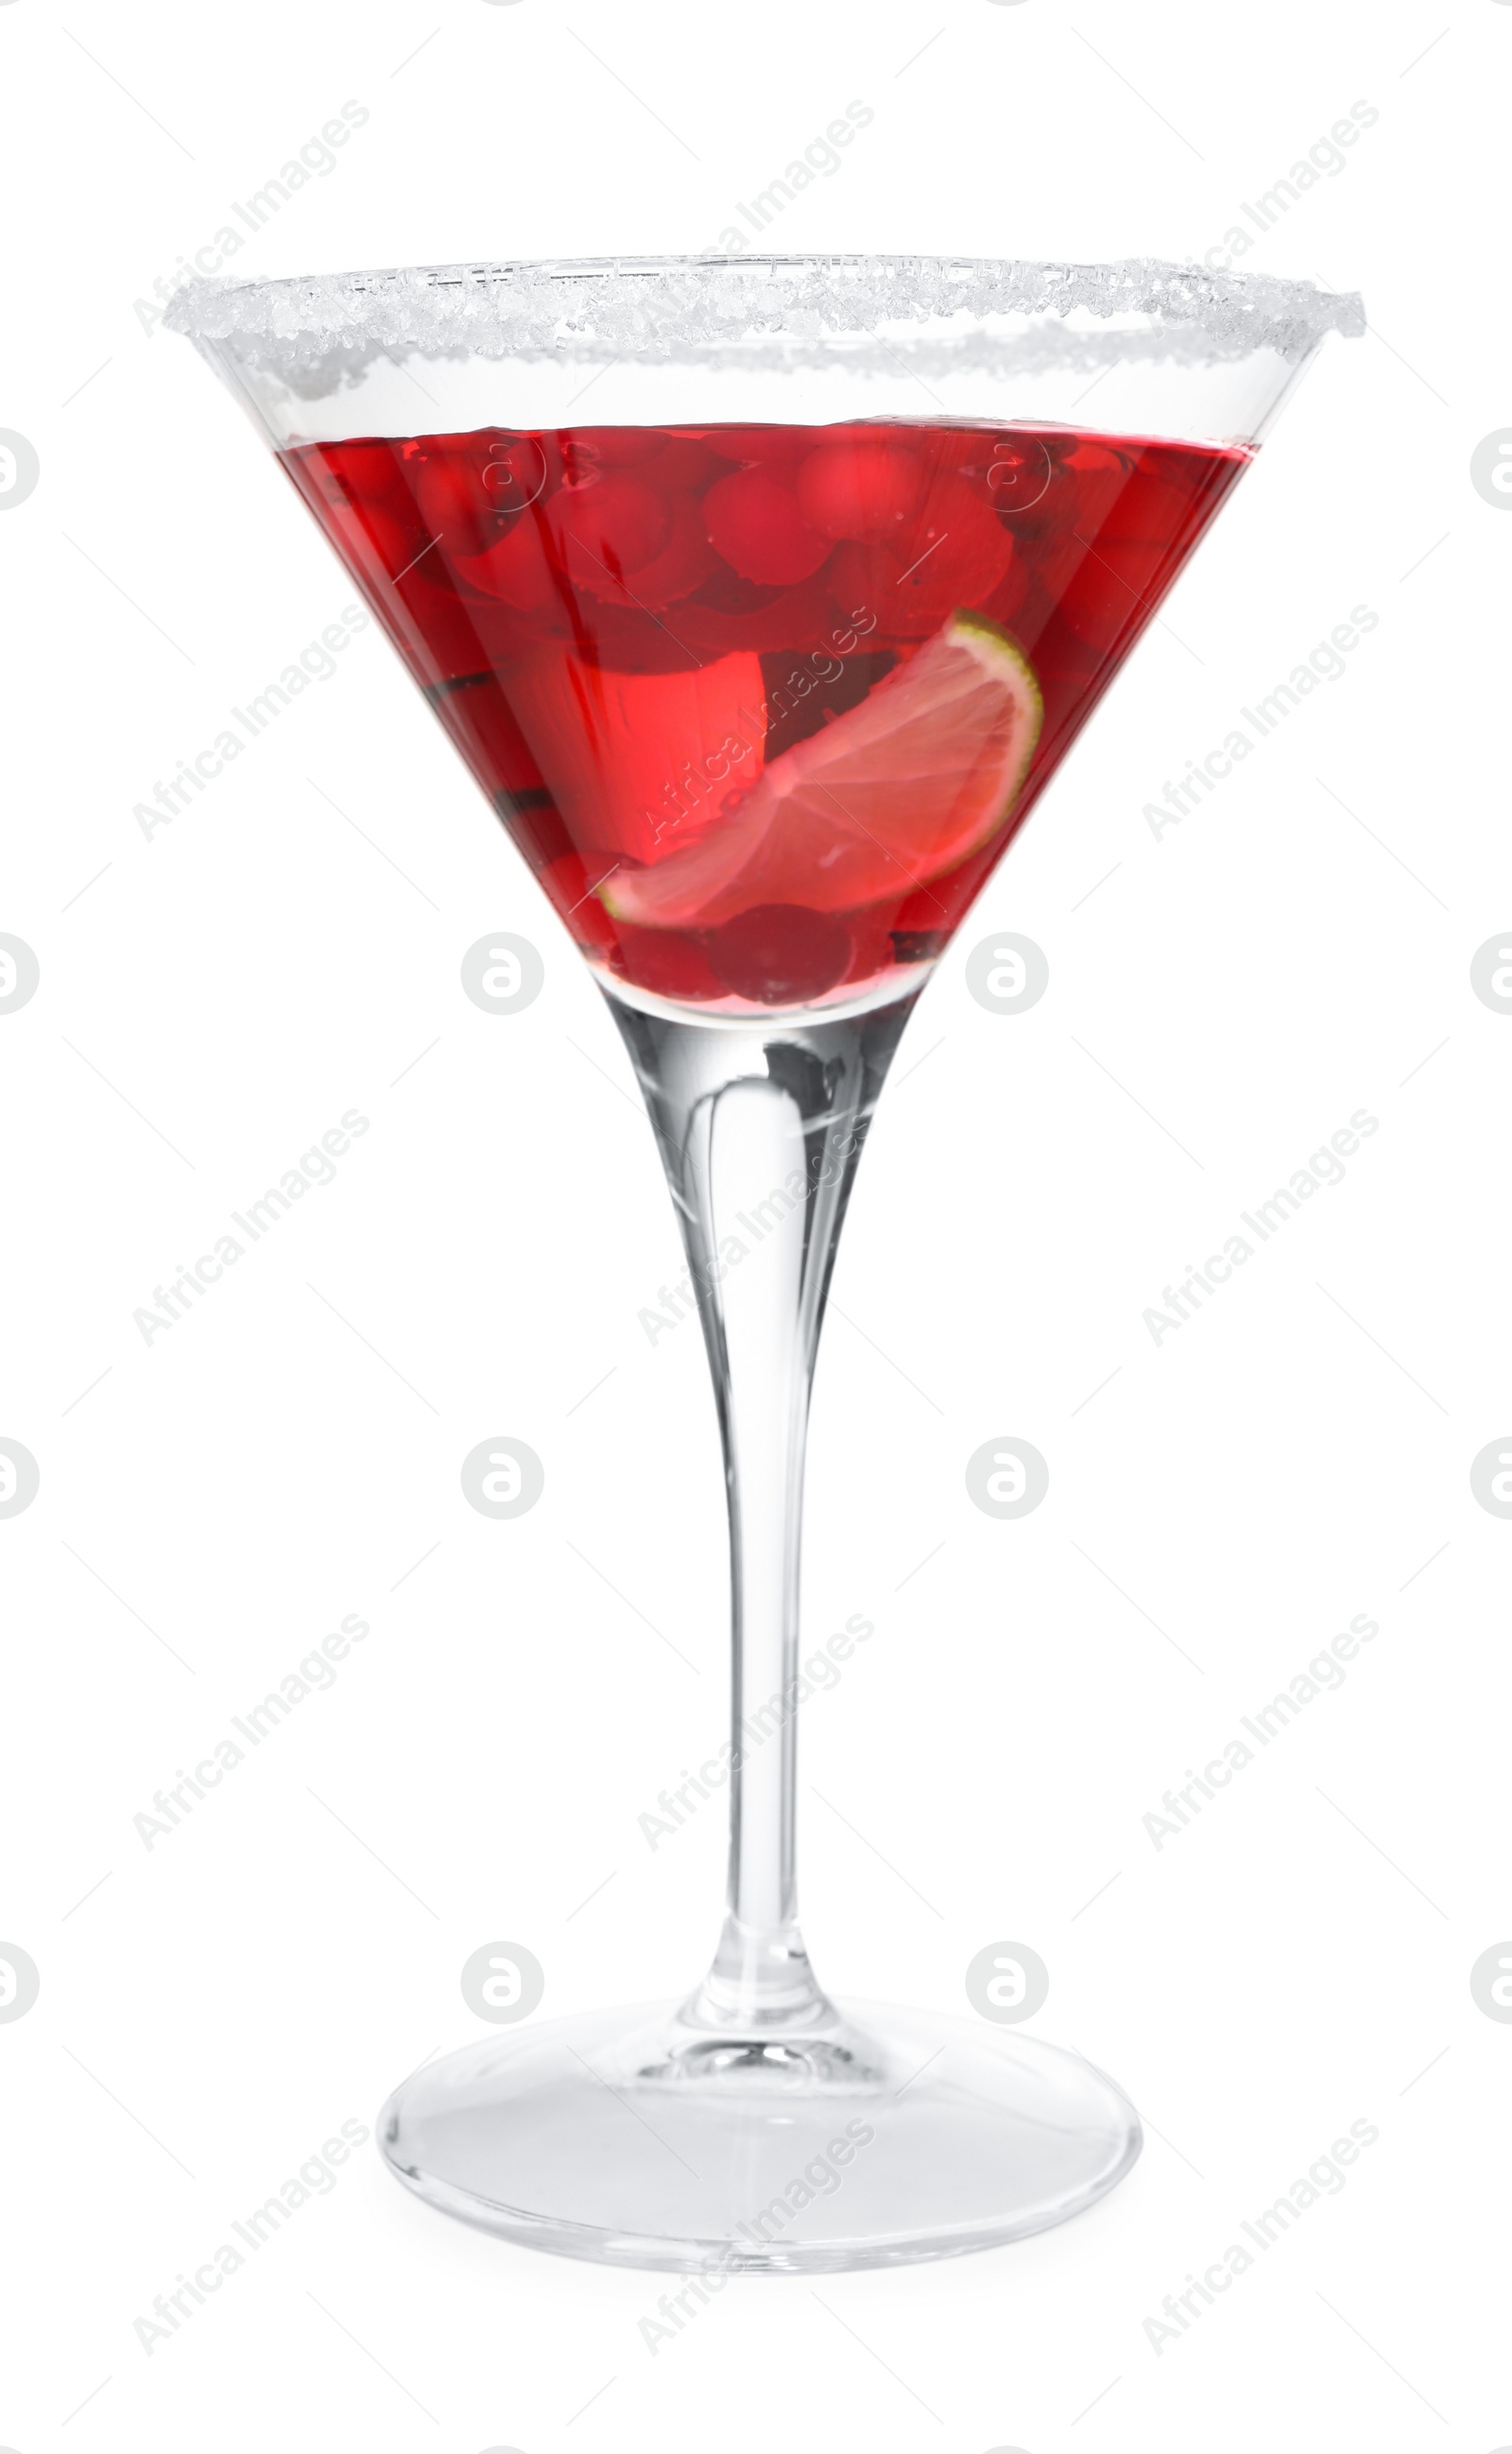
<point x="892" y="793"/>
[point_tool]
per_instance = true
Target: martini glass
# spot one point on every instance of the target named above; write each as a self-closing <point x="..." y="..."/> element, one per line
<point x="763" y="597"/>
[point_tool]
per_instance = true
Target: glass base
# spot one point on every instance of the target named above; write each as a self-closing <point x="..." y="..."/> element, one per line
<point x="875" y="2137"/>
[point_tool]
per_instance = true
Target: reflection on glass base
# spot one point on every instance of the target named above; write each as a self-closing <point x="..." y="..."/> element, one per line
<point x="874" y="2139"/>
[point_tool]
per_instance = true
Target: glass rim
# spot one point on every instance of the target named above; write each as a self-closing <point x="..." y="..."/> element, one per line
<point x="709" y="302"/>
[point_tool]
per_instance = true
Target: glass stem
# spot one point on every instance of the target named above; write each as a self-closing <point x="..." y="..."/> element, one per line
<point x="761" y="1128"/>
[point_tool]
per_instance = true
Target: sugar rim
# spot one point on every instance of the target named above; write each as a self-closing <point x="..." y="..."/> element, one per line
<point x="703" y="307"/>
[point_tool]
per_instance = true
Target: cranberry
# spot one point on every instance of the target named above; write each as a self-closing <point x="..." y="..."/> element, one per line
<point x="685" y="563"/>
<point x="780" y="953"/>
<point x="515" y="569"/>
<point x="665" y="962"/>
<point x="952" y="555"/>
<point x="756" y="524"/>
<point x="858" y="489"/>
<point x="610" y="529"/>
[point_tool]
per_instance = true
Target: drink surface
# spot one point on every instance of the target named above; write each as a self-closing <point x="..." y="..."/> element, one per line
<point x="762" y="706"/>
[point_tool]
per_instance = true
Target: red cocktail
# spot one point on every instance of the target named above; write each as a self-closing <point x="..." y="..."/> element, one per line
<point x="763" y="705"/>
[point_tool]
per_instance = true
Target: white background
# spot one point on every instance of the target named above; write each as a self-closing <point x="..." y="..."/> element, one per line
<point x="214" y="998"/>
